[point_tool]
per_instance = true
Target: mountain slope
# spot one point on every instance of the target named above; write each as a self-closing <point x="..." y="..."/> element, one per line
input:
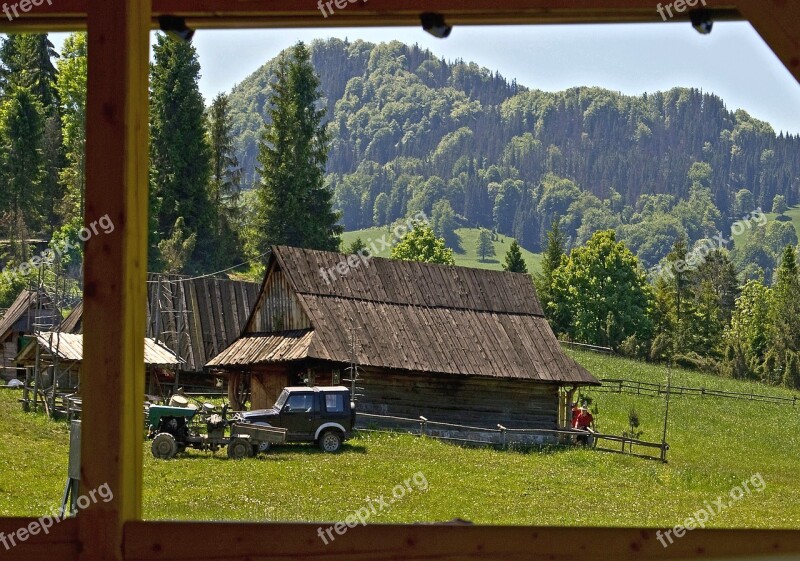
<point x="409" y="130"/>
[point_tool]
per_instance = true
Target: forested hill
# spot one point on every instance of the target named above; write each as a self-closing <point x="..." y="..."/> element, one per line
<point x="409" y="130"/>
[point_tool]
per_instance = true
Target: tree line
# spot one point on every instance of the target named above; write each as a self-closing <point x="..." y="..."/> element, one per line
<point x="201" y="220"/>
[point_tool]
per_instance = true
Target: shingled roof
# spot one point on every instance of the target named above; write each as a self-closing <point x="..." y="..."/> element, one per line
<point x="409" y="316"/>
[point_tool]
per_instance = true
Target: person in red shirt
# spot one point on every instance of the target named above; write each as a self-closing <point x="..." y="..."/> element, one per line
<point x="583" y="422"/>
<point x="584" y="419"/>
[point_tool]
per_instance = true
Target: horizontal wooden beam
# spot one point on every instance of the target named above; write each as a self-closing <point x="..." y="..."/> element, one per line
<point x="59" y="15"/>
<point x="778" y="23"/>
<point x="60" y="542"/>
<point x="145" y="541"/>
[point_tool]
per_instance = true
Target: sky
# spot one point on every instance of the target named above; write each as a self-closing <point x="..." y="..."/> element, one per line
<point x="732" y="62"/>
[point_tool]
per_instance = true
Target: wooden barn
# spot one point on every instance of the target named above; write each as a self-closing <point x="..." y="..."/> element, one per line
<point x="196" y="318"/>
<point x="30" y="311"/>
<point x="453" y="344"/>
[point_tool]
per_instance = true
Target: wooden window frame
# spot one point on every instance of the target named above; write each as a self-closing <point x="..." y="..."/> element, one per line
<point x="114" y="299"/>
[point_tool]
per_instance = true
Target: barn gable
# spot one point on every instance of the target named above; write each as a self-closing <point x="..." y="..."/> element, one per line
<point x="278" y="308"/>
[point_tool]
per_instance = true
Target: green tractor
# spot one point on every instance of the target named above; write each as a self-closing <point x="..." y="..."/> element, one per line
<point x="173" y="429"/>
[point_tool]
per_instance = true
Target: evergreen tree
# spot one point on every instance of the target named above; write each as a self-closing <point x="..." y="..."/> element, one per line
<point x="179" y="155"/>
<point x="357" y="245"/>
<point x="294" y="206"/>
<point x="784" y="334"/>
<point x="746" y="337"/>
<point x="484" y="246"/>
<point x="225" y="182"/>
<point x="551" y="260"/>
<point x="779" y="204"/>
<point x="21" y="166"/>
<point x="26" y="62"/>
<point x="514" y="263"/>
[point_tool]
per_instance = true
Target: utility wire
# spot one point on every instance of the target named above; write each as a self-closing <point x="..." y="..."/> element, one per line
<point x="216" y="272"/>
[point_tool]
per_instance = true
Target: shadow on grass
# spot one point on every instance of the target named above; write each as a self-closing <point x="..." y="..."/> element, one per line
<point x="275" y="453"/>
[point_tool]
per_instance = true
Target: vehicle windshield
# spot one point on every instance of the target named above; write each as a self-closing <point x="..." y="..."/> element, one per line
<point x="281" y="399"/>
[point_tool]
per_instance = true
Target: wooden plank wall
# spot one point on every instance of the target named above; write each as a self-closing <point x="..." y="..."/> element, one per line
<point x="459" y="399"/>
<point x="199" y="318"/>
<point x="279" y="308"/>
<point x="266" y="385"/>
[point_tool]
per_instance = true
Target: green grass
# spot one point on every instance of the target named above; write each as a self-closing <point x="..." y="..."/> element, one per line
<point x="465" y="254"/>
<point x="715" y="445"/>
<point x="741" y="239"/>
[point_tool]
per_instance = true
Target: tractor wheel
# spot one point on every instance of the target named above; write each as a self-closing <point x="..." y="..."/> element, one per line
<point x="164" y="446"/>
<point x="239" y="449"/>
<point x="330" y="441"/>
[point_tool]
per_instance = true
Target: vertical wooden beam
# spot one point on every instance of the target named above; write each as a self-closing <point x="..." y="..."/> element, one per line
<point x="778" y="23"/>
<point x="115" y="270"/>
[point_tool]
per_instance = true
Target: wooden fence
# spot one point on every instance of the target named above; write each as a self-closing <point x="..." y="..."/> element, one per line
<point x="506" y="437"/>
<point x="636" y="387"/>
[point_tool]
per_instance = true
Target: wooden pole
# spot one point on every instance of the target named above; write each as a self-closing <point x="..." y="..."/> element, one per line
<point x="115" y="271"/>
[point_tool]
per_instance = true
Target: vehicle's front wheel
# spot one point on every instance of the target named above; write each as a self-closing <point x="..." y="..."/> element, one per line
<point x="239" y="449"/>
<point x="331" y="441"/>
<point x="260" y="448"/>
<point x="164" y="446"/>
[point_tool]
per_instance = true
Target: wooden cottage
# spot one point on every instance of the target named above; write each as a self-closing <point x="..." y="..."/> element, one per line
<point x="30" y="311"/>
<point x="453" y="344"/>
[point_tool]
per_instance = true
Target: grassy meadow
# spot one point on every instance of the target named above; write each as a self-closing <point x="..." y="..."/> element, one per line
<point x="465" y="254"/>
<point x="715" y="445"/>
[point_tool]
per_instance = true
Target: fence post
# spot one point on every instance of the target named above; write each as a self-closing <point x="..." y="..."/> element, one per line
<point x="502" y="434"/>
<point x="423" y="423"/>
<point x="702" y="392"/>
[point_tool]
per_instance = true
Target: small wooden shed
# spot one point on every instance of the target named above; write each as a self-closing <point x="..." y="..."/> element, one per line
<point x="61" y="354"/>
<point x="454" y="344"/>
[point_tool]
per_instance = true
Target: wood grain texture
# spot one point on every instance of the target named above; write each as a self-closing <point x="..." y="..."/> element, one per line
<point x="297" y="542"/>
<point x="60" y="542"/>
<point x="115" y="271"/>
<point x="71" y="14"/>
<point x="778" y="23"/>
